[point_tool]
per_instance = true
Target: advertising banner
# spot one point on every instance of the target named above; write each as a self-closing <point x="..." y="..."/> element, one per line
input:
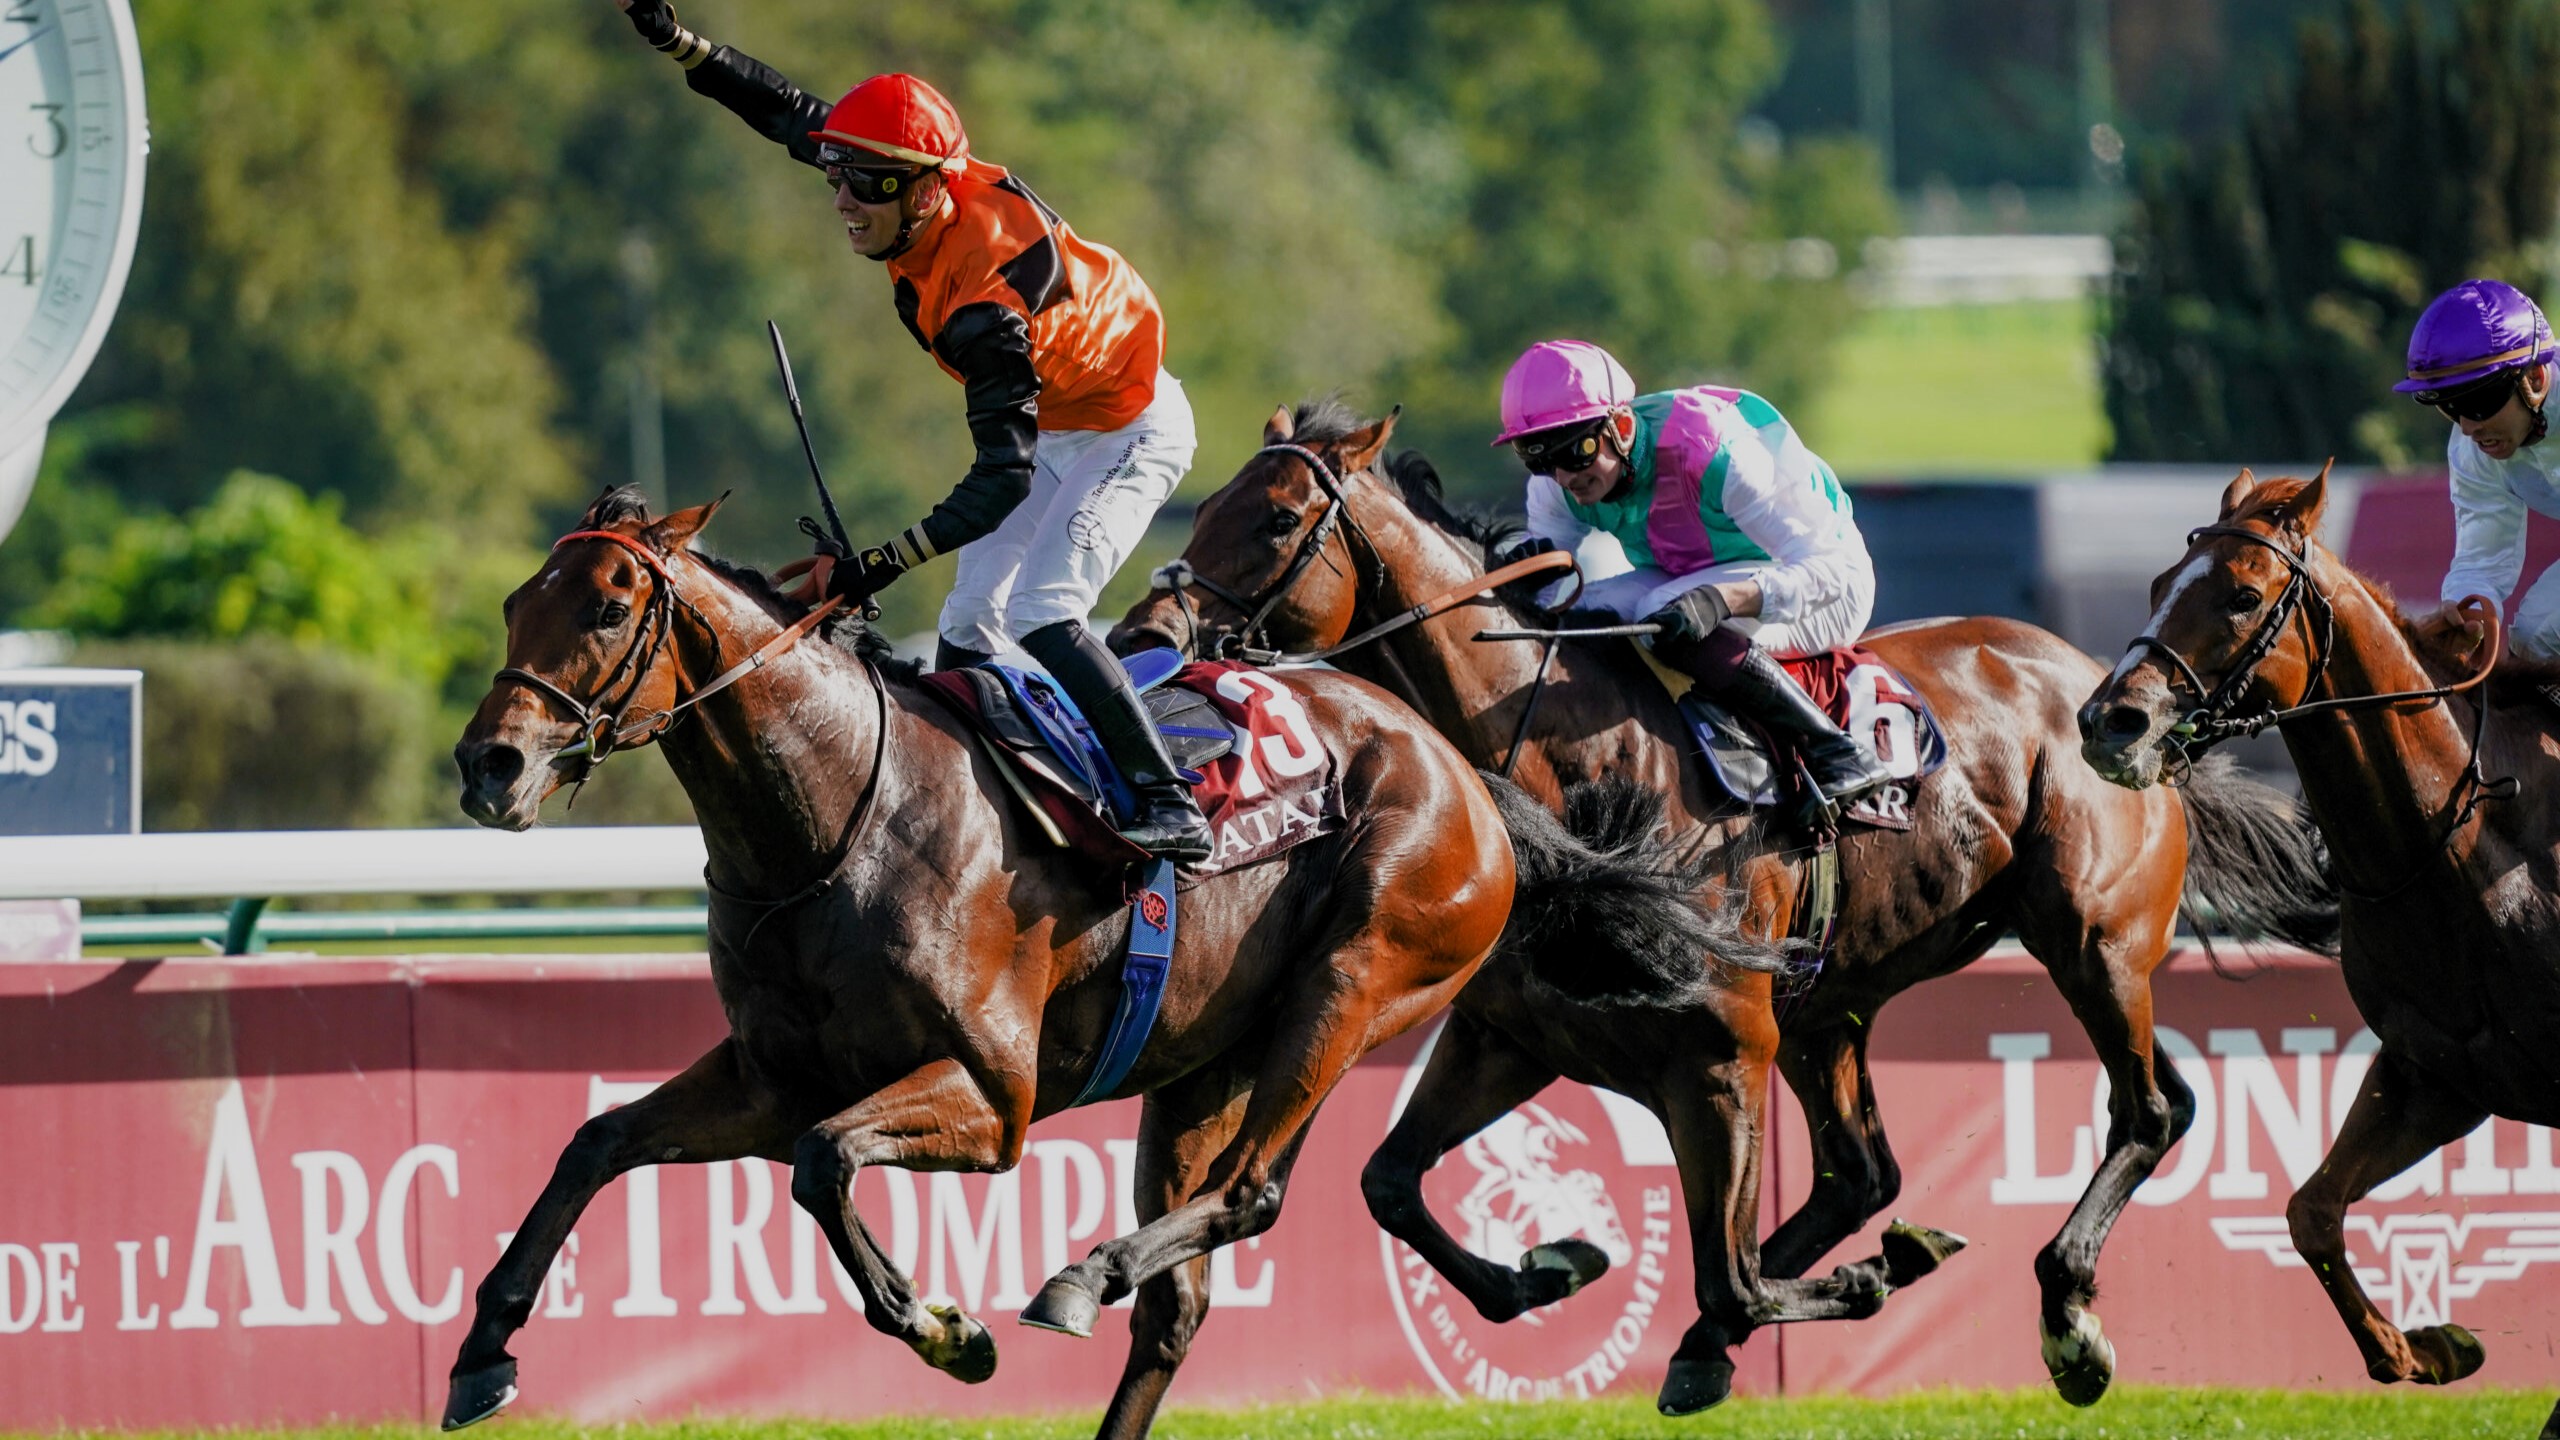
<point x="70" y="752"/>
<point x="260" y="1190"/>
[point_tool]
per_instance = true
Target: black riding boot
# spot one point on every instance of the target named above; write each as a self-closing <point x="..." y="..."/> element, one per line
<point x="1761" y="689"/>
<point x="1168" y="822"/>
<point x="947" y="656"/>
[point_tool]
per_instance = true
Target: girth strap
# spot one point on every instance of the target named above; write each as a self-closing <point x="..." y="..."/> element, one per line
<point x="1142" y="977"/>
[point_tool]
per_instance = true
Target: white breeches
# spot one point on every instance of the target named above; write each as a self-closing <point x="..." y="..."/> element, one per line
<point x="1637" y="593"/>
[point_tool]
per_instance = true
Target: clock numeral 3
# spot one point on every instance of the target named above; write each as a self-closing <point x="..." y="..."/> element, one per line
<point x="21" y="262"/>
<point x="52" y="139"/>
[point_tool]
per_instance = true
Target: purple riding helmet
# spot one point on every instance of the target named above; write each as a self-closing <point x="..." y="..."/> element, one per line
<point x="2473" y="332"/>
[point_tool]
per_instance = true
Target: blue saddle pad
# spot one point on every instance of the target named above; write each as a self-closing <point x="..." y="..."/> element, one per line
<point x="1194" y="732"/>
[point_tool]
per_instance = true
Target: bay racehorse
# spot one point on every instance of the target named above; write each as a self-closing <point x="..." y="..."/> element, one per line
<point x="2013" y="834"/>
<point x="913" y="975"/>
<point x="2437" y="793"/>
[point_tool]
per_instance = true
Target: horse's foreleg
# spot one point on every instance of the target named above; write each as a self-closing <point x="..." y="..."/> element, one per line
<point x="1854" y="1174"/>
<point x="1328" y="1026"/>
<point x="939" y="1118"/>
<point x="1474" y="1077"/>
<point x="1714" y="1120"/>
<point x="2106" y="979"/>
<point x="709" y="1112"/>
<point x="2396" y="1121"/>
<point x="1183" y="1128"/>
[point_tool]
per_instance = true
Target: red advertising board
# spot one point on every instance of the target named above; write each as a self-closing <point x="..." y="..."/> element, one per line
<point x="260" y="1190"/>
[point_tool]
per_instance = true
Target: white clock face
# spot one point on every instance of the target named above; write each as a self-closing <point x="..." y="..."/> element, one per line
<point x="71" y="146"/>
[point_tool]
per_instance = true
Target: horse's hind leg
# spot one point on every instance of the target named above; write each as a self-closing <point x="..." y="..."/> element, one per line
<point x="709" y="1112"/>
<point x="1182" y="1129"/>
<point x="1854" y="1173"/>
<point x="1474" y="1077"/>
<point x="2396" y="1121"/>
<point x="939" y="1118"/>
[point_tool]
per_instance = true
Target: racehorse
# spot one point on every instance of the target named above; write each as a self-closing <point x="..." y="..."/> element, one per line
<point x="2447" y="875"/>
<point x="2013" y="834"/>
<point x="913" y="975"/>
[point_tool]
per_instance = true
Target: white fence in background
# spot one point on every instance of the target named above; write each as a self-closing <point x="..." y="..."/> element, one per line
<point x="351" y="862"/>
<point x="1986" y="269"/>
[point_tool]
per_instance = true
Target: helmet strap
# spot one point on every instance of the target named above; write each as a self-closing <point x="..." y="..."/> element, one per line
<point x="908" y="225"/>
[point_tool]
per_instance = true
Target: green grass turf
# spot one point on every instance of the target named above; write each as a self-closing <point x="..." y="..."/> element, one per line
<point x="1962" y="390"/>
<point x="2129" y="1413"/>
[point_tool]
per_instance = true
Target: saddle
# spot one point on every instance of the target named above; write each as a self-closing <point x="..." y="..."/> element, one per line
<point x="1056" y="768"/>
<point x="1865" y="697"/>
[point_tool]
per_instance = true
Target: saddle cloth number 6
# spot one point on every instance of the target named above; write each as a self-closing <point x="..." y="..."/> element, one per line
<point x="1880" y="712"/>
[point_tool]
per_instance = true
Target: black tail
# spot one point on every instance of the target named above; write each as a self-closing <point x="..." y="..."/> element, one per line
<point x="1604" y="915"/>
<point x="2255" y="857"/>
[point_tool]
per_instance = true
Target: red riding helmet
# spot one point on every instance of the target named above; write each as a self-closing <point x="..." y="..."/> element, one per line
<point x="901" y="118"/>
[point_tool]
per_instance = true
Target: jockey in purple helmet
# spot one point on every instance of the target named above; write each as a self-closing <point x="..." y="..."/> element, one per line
<point x="1741" y="538"/>
<point x="2482" y="356"/>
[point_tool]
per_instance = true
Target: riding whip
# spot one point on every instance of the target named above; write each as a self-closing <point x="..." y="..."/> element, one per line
<point x="826" y="502"/>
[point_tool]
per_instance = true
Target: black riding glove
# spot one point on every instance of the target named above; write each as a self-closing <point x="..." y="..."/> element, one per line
<point x="866" y="573"/>
<point x="655" y="20"/>
<point x="1694" y="616"/>
<point x="1527" y="549"/>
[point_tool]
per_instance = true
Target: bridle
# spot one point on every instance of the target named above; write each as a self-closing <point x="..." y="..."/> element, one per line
<point x="2211" y="722"/>
<point x="1253" y="642"/>
<point x="601" y="725"/>
<point x="604" y="731"/>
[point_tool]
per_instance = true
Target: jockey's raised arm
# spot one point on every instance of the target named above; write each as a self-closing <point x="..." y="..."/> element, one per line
<point x="1079" y="434"/>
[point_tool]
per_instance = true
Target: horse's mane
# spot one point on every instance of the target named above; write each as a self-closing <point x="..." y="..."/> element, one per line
<point x="845" y="629"/>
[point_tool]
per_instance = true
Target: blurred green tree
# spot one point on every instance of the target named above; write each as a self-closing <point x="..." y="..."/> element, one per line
<point x="2266" y="287"/>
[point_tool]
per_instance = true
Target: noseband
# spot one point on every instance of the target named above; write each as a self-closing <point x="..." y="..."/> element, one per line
<point x="1252" y="642"/>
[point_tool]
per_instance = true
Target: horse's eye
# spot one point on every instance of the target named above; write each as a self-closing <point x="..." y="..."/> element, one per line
<point x="2246" y="601"/>
<point x="1282" y="523"/>
<point x="612" y="613"/>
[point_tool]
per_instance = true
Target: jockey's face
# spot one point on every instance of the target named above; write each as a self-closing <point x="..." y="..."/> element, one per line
<point x="2504" y="433"/>
<point x="1595" y="482"/>
<point x="873" y="229"/>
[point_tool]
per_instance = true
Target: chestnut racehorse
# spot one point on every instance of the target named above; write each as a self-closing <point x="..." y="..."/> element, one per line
<point x="2014" y="833"/>
<point x="913" y="975"/>
<point x="2437" y="797"/>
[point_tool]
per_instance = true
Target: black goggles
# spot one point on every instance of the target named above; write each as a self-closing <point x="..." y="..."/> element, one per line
<point x="861" y="172"/>
<point x="2475" y="402"/>
<point x="1565" y="449"/>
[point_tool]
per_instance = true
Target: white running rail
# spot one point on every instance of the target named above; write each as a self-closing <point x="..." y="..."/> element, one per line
<point x="351" y="862"/>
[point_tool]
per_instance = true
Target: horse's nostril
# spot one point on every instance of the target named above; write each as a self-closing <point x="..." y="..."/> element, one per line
<point x="490" y="764"/>
<point x="2124" y="721"/>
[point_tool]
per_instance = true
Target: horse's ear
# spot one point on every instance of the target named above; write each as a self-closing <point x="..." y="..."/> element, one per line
<point x="1280" y="428"/>
<point x="1361" y="447"/>
<point x="676" y="532"/>
<point x="2302" y="512"/>
<point x="2237" y="493"/>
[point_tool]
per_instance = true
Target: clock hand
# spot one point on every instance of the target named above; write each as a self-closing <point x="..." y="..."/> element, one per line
<point x="21" y="45"/>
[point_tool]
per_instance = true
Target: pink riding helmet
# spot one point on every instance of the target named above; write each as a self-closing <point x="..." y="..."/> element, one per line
<point x="1557" y="382"/>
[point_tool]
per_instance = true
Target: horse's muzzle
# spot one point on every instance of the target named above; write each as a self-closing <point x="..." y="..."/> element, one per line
<point x="493" y="784"/>
<point x="2119" y="738"/>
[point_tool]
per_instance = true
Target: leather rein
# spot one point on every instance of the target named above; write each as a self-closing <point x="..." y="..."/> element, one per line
<point x="2212" y="722"/>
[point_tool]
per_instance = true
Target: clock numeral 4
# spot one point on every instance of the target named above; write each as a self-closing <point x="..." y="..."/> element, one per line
<point x="20" y="263"/>
<point x="51" y="137"/>
<point x="22" y="11"/>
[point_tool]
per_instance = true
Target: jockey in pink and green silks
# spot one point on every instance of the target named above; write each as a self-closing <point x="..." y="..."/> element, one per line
<point x="1742" y="542"/>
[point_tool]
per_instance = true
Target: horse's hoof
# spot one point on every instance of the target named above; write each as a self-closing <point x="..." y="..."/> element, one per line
<point x="1695" y="1385"/>
<point x="1912" y="1251"/>
<point x="1063" y="1306"/>
<point x="2082" y="1362"/>
<point x="470" y="1399"/>
<point x="967" y="1350"/>
<point x="2446" y="1353"/>
<point x="1561" y="1268"/>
